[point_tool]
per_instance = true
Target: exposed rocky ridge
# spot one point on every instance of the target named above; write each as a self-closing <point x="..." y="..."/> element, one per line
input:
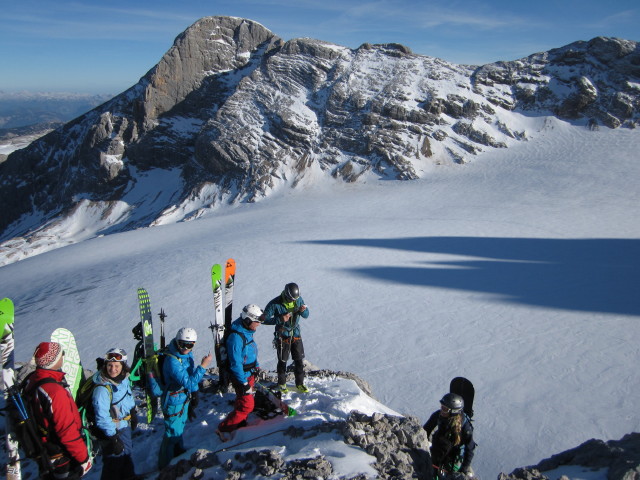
<point x="399" y="444"/>
<point x="620" y="457"/>
<point x="592" y="79"/>
<point x="239" y="113"/>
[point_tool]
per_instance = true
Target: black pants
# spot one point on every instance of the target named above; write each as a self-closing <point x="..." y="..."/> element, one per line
<point x="295" y="348"/>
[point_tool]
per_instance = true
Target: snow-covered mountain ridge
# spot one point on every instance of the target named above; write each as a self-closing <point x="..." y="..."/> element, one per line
<point x="233" y="113"/>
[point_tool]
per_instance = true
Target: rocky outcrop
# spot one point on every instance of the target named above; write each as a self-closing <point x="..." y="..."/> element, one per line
<point x="621" y="458"/>
<point x="595" y="79"/>
<point x="400" y="446"/>
<point x="237" y="113"/>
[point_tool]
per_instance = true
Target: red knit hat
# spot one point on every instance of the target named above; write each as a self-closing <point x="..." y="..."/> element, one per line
<point x="47" y="354"/>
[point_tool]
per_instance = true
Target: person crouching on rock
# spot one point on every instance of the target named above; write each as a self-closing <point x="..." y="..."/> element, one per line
<point x="452" y="445"/>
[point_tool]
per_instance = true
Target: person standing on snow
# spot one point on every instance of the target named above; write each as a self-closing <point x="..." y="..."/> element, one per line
<point x="115" y="413"/>
<point x="452" y="445"/>
<point x="181" y="377"/>
<point x="284" y="312"/>
<point x="242" y="353"/>
<point x="56" y="414"/>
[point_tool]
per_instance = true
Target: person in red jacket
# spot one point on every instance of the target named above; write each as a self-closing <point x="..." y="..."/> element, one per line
<point x="57" y="416"/>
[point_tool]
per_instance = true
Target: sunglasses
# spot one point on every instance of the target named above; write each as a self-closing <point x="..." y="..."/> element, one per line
<point x="114" y="357"/>
<point x="185" y="345"/>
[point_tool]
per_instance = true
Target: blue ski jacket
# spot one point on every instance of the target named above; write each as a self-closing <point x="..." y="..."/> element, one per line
<point x="181" y="376"/>
<point x="273" y="316"/>
<point x="242" y="351"/>
<point x="112" y="403"/>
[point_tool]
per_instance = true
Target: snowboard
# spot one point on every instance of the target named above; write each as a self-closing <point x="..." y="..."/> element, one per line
<point x="148" y="347"/>
<point x="7" y="345"/>
<point x="464" y="388"/>
<point x="71" y="364"/>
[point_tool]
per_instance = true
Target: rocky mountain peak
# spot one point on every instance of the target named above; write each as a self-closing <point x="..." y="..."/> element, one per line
<point x="237" y="114"/>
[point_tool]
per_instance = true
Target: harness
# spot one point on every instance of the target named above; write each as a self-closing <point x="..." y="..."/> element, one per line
<point x="288" y="327"/>
<point x="112" y="411"/>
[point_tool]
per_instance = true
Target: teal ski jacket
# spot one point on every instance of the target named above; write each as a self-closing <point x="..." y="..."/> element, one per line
<point x="181" y="376"/>
<point x="274" y="311"/>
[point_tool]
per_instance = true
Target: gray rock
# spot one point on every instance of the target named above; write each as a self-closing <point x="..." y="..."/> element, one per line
<point x="621" y="457"/>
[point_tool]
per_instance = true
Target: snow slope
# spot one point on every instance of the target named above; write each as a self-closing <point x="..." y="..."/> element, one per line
<point x="519" y="271"/>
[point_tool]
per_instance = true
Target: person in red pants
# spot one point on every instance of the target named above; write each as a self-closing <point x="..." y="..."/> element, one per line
<point x="242" y="352"/>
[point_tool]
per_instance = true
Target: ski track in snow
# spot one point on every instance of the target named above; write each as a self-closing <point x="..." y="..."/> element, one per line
<point x="519" y="271"/>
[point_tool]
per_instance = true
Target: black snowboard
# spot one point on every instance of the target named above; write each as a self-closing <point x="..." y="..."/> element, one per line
<point x="464" y="388"/>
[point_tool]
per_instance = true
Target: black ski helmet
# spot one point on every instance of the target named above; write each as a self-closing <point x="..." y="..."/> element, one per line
<point x="453" y="402"/>
<point x="291" y="292"/>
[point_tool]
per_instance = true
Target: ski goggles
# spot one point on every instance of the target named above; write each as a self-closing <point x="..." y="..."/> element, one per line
<point x="184" y="345"/>
<point x="116" y="355"/>
<point x="452" y="411"/>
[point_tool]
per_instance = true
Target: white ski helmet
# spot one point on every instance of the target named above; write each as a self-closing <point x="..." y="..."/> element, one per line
<point x="116" y="355"/>
<point x="187" y="334"/>
<point x="252" y="312"/>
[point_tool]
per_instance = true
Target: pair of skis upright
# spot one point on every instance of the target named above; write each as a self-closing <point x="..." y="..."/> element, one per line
<point x="221" y="326"/>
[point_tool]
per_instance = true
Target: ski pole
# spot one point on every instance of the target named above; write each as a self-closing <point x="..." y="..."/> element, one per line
<point x="162" y="316"/>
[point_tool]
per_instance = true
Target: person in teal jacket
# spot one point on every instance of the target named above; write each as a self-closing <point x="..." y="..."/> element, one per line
<point x="242" y="352"/>
<point x="114" y="408"/>
<point x="181" y="378"/>
<point x="285" y="312"/>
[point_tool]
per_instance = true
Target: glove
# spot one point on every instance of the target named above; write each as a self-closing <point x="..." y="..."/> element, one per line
<point x="246" y="389"/>
<point x="86" y="466"/>
<point x="191" y="412"/>
<point x="133" y="421"/>
<point x="115" y="446"/>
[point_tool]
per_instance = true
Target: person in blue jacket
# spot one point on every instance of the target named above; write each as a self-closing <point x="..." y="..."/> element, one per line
<point x="181" y="378"/>
<point x="285" y="312"/>
<point x="242" y="353"/>
<point x="114" y="408"/>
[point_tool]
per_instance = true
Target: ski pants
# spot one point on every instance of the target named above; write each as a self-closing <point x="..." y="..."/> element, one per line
<point x="242" y="407"/>
<point x="119" y="466"/>
<point x="286" y="346"/>
<point x="175" y="418"/>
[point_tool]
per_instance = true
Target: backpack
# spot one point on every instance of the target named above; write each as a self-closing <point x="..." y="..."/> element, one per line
<point x="84" y="401"/>
<point x="155" y="380"/>
<point x="24" y="425"/>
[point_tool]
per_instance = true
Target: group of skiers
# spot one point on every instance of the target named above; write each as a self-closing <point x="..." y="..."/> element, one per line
<point x="113" y="402"/>
<point x="60" y="424"/>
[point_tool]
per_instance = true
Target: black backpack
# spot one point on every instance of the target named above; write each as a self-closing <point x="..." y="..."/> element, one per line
<point x="26" y="429"/>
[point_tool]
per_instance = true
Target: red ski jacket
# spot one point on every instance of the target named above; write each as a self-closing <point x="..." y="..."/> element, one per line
<point x="56" y="413"/>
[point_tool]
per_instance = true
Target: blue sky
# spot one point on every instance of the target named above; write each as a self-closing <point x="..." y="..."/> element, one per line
<point x="105" y="47"/>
